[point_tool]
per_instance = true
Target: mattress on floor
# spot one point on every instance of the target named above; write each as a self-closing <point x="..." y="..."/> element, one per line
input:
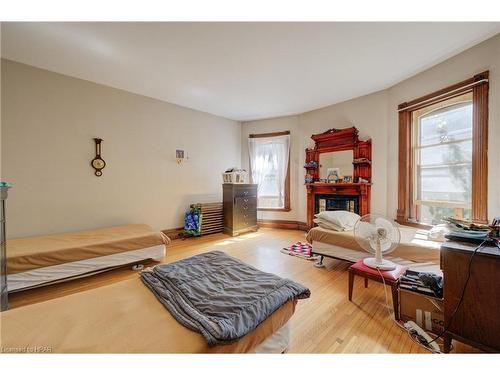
<point x="24" y="254"/>
<point x="415" y="245"/>
<point x="81" y="268"/>
<point x="124" y="317"/>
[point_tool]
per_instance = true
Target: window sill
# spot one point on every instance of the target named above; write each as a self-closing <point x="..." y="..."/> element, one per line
<point x="415" y="225"/>
<point x="285" y="209"/>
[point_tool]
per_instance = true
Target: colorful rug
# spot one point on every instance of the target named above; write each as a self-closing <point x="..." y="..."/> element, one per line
<point x="301" y="250"/>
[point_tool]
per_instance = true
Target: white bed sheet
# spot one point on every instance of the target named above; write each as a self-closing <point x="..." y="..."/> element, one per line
<point x="63" y="272"/>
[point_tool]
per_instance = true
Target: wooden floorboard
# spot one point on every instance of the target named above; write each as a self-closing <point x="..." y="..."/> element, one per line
<point x="325" y="323"/>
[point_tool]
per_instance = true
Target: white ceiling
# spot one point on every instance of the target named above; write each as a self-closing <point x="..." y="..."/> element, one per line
<point x="242" y="71"/>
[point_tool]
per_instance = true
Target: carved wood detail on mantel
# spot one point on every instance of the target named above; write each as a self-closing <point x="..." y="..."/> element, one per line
<point x="347" y="137"/>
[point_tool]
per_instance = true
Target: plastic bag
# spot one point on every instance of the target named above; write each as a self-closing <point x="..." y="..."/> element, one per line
<point x="192" y="222"/>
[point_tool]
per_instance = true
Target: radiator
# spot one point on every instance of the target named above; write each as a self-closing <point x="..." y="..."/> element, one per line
<point x="212" y="217"/>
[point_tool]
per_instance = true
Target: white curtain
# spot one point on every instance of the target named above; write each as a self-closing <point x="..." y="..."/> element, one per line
<point x="269" y="157"/>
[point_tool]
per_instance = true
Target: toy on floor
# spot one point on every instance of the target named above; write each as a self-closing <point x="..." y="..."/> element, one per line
<point x="300" y="249"/>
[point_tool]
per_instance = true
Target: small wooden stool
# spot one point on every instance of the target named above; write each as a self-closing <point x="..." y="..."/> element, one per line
<point x="391" y="278"/>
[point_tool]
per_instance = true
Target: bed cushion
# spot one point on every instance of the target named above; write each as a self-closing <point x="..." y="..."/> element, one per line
<point x="124" y="317"/>
<point x="392" y="275"/>
<point x="25" y="254"/>
<point x="415" y="244"/>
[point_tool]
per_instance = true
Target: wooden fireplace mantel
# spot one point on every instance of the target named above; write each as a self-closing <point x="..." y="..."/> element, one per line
<point x="360" y="190"/>
<point x="339" y="140"/>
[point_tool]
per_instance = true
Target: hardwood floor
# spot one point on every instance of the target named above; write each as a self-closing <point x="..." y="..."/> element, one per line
<point x="325" y="323"/>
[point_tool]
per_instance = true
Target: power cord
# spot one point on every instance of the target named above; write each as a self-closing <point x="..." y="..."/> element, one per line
<point x="412" y="337"/>
<point x="469" y="268"/>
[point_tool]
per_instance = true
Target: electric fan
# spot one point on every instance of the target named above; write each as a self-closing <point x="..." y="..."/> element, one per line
<point x="377" y="235"/>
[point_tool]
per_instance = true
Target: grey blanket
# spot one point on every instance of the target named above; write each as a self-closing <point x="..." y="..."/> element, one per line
<point x="218" y="295"/>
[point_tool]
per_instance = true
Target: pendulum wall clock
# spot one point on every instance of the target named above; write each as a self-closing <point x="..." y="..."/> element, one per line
<point x="98" y="163"/>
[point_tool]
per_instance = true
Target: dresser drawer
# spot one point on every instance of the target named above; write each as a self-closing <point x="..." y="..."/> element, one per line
<point x="245" y="191"/>
<point x="247" y="215"/>
<point x="245" y="203"/>
<point x="243" y="222"/>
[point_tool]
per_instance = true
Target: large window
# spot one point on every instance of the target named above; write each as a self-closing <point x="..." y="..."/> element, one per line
<point x="269" y="168"/>
<point x="443" y="155"/>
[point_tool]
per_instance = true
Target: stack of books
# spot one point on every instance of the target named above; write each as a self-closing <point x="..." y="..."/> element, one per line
<point x="413" y="281"/>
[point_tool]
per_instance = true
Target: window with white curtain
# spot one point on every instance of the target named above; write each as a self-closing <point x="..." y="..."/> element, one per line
<point x="269" y="162"/>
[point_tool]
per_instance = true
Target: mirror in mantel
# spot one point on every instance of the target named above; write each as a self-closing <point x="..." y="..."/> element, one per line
<point x="336" y="162"/>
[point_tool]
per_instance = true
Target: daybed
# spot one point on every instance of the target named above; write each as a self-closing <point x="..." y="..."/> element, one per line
<point x="415" y="245"/>
<point x="37" y="261"/>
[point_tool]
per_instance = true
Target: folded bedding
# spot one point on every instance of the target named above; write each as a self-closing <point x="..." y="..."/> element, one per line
<point x="339" y="221"/>
<point x="219" y="296"/>
<point x="329" y="225"/>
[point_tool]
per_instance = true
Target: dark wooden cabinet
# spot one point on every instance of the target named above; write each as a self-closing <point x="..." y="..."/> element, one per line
<point x="240" y="208"/>
<point x="477" y="320"/>
<point x="4" y="301"/>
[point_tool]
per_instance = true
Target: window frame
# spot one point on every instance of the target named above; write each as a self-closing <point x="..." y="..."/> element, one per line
<point x="286" y="207"/>
<point x="416" y="116"/>
<point x="478" y="86"/>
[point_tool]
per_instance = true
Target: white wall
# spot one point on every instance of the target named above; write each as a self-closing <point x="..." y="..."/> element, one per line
<point x="48" y="122"/>
<point x="375" y="115"/>
<point x="367" y="113"/>
<point x="484" y="56"/>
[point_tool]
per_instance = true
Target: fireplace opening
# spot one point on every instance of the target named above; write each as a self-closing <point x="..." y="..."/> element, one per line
<point x="333" y="202"/>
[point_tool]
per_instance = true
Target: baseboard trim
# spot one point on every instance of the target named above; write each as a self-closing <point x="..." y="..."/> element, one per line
<point x="303" y="226"/>
<point x="283" y="224"/>
<point x="178" y="233"/>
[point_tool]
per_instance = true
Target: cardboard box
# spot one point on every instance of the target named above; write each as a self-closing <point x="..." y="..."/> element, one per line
<point x="426" y="311"/>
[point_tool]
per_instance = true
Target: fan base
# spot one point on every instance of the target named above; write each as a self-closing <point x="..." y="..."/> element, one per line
<point x="385" y="265"/>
